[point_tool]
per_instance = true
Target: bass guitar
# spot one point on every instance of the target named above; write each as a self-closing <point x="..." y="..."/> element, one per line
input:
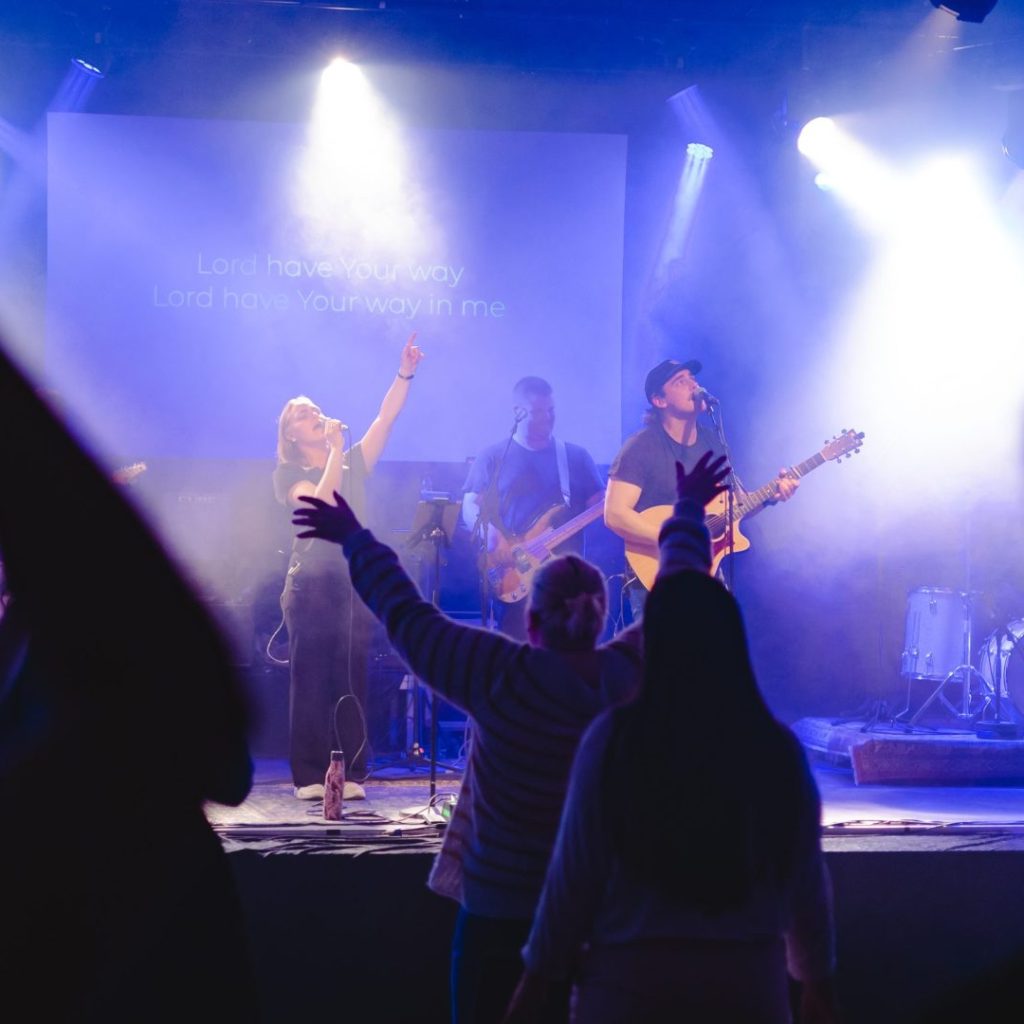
<point x="726" y="538"/>
<point x="513" y="561"/>
<point x="128" y="474"/>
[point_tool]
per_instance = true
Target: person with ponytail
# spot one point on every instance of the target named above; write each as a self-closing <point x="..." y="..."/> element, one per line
<point x="530" y="703"/>
<point x="690" y="897"/>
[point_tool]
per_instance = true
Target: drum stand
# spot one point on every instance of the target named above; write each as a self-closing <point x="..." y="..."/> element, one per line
<point x="967" y="672"/>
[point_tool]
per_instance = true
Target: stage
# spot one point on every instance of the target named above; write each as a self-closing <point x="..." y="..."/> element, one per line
<point x="929" y="893"/>
<point x="397" y="816"/>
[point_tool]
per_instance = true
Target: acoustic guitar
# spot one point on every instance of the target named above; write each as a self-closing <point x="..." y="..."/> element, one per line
<point x="726" y="538"/>
<point x="513" y="561"/>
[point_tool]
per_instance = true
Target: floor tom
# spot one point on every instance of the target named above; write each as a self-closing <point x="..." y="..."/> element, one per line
<point x="937" y="637"/>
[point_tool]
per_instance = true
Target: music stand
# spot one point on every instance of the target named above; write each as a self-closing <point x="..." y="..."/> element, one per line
<point x="435" y="522"/>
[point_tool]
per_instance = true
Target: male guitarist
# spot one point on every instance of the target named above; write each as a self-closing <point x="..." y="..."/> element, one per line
<point x="643" y="473"/>
<point x="537" y="473"/>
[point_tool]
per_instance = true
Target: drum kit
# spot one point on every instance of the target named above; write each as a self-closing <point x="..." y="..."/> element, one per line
<point x="986" y="689"/>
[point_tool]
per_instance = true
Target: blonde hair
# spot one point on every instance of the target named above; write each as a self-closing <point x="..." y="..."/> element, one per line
<point x="287" y="451"/>
<point x="568" y="604"/>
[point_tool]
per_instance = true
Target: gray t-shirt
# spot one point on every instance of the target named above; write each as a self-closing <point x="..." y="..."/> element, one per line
<point x="648" y="459"/>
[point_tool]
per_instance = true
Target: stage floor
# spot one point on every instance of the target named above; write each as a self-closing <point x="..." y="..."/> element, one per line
<point x="928" y="894"/>
<point x="397" y="815"/>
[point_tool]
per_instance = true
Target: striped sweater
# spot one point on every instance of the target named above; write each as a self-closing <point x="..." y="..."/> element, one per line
<point x="529" y="707"/>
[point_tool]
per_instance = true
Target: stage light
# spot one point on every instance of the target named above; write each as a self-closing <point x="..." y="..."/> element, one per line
<point x="691" y="184"/>
<point x="935" y="327"/>
<point x="341" y="73"/>
<point x="346" y="105"/>
<point x="76" y="87"/>
<point x="89" y="69"/>
<point x="852" y="172"/>
<point x="966" y="10"/>
<point x="353" y="184"/>
<point x="817" y="138"/>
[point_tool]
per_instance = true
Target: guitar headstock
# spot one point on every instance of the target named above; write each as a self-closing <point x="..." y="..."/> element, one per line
<point x="845" y="443"/>
<point x="127" y="474"/>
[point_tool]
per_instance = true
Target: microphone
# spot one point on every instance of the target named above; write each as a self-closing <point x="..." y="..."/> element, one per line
<point x="705" y="396"/>
<point x="521" y="415"/>
<point x="326" y="419"/>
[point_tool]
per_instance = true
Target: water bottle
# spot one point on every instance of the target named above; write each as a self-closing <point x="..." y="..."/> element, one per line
<point x="334" y="787"/>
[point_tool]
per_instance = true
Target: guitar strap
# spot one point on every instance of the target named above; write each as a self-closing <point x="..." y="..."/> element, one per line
<point x="562" y="458"/>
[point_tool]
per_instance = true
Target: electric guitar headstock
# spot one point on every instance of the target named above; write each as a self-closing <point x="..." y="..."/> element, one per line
<point x="843" y="445"/>
<point x="128" y="474"/>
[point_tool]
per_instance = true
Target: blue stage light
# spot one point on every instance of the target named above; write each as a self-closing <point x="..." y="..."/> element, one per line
<point x="698" y="151"/>
<point x="89" y="69"/>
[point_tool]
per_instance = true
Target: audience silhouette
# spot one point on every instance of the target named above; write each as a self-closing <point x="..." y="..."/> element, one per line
<point x="686" y="897"/>
<point x="120" y="714"/>
<point x="529" y="703"/>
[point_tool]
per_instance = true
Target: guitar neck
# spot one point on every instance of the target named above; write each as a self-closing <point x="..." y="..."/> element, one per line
<point x="754" y="501"/>
<point x="553" y="537"/>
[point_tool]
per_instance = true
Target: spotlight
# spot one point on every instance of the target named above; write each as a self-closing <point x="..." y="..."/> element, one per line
<point x="78" y="83"/>
<point x="966" y="10"/>
<point x="89" y="69"/>
<point x="818" y="136"/>
<point x="698" y="151"/>
<point x="341" y="73"/>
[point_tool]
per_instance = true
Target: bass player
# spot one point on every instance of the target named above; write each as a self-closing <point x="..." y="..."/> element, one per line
<point x="513" y="483"/>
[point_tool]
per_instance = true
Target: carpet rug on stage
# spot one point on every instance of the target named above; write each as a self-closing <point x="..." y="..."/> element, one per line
<point x="891" y="753"/>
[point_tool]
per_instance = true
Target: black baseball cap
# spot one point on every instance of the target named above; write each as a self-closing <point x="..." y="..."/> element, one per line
<point x="665" y="371"/>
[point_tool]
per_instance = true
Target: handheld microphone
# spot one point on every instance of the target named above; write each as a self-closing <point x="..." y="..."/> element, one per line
<point x="705" y="396"/>
<point x="327" y="419"/>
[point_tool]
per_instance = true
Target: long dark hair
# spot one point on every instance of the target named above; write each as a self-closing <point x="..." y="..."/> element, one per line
<point x="706" y="793"/>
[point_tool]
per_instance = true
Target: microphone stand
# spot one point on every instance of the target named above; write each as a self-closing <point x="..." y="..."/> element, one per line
<point x="488" y="516"/>
<point x="436" y="517"/>
<point x="715" y="414"/>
